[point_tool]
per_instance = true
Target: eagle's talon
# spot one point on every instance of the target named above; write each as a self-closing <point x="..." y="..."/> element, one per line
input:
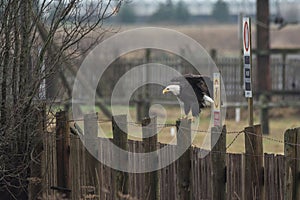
<point x="192" y="119"/>
<point x="184" y="117"/>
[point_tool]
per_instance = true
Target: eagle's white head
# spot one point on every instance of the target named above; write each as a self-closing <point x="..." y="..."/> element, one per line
<point x="175" y="89"/>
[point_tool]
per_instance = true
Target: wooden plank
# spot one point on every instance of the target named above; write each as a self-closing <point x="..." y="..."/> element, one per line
<point x="168" y="175"/>
<point x="75" y="166"/>
<point x="270" y="180"/>
<point x="172" y="182"/>
<point x="297" y="170"/>
<point x="140" y="176"/>
<point x="62" y="152"/>
<point x="205" y="177"/>
<point x="163" y="178"/>
<point x="35" y="181"/>
<point x="83" y="169"/>
<point x="218" y="162"/>
<point x="53" y="153"/>
<point x="173" y="178"/>
<point x="136" y="180"/>
<point x="104" y="173"/>
<point x="151" y="187"/>
<point x="234" y="176"/>
<point x="49" y="162"/>
<point x="280" y="164"/>
<point x="120" y="179"/>
<point x="184" y="162"/>
<point x="290" y="138"/>
<point x="201" y="175"/>
<point x="46" y="166"/>
<point x="195" y="174"/>
<point x="133" y="176"/>
<point x="130" y="175"/>
<point x="91" y="150"/>
<point x="107" y="189"/>
<point x="253" y="164"/>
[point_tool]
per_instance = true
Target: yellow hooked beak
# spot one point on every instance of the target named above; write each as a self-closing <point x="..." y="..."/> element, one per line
<point x="165" y="91"/>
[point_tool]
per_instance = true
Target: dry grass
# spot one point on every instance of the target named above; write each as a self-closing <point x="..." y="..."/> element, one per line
<point x="224" y="38"/>
<point x="278" y="125"/>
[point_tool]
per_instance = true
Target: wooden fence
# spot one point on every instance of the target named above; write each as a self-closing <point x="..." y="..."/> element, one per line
<point x="69" y="168"/>
<point x="284" y="73"/>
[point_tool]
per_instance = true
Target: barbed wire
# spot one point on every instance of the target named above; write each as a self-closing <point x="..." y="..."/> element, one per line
<point x="272" y="139"/>
<point x="237" y="133"/>
<point x="234" y="139"/>
<point x="161" y="125"/>
<point x="253" y="155"/>
<point x="214" y="151"/>
<point x="224" y="152"/>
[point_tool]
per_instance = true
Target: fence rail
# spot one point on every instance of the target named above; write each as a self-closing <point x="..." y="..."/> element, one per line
<point x="71" y="169"/>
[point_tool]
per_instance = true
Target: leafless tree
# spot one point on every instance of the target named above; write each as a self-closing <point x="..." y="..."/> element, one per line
<point x="36" y="37"/>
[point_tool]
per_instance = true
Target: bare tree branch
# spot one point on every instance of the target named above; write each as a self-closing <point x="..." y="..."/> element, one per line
<point x="38" y="39"/>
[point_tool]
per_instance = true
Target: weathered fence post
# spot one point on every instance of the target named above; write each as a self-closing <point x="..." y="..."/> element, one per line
<point x="253" y="163"/>
<point x="298" y="163"/>
<point x="63" y="152"/>
<point x="142" y="108"/>
<point x="218" y="153"/>
<point x="35" y="181"/>
<point x="290" y="138"/>
<point x="151" y="190"/>
<point x="143" y="103"/>
<point x="90" y="144"/>
<point x="213" y="54"/>
<point x="184" y="162"/>
<point x="120" y="138"/>
<point x="264" y="118"/>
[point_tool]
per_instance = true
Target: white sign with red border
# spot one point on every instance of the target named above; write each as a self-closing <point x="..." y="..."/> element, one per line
<point x="247" y="57"/>
<point x="217" y="100"/>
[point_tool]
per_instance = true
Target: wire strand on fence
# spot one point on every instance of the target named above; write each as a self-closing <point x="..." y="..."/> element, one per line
<point x="234" y="139"/>
<point x="158" y="125"/>
<point x="272" y="139"/>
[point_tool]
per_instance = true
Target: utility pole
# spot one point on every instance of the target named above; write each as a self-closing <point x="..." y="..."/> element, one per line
<point x="263" y="73"/>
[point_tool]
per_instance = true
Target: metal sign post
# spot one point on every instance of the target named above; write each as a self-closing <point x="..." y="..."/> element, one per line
<point x="217" y="100"/>
<point x="247" y="61"/>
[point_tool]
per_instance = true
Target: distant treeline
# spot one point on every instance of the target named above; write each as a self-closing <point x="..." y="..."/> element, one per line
<point x="175" y="12"/>
<point x="193" y="19"/>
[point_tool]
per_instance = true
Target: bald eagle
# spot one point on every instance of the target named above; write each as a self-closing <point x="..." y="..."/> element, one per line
<point x="193" y="91"/>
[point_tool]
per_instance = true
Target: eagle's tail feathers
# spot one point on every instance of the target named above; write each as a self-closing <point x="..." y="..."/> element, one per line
<point x="207" y="98"/>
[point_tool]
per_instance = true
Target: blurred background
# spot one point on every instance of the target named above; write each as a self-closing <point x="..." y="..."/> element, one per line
<point x="45" y="43"/>
<point x="216" y="25"/>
